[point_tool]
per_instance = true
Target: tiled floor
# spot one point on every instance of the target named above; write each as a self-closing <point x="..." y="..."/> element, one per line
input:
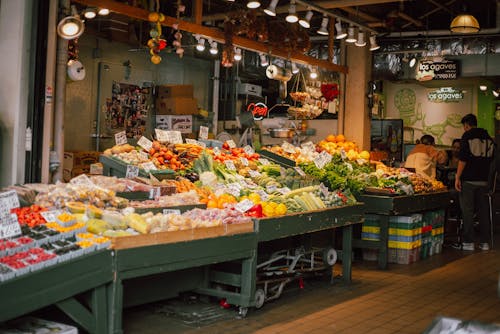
<point x="402" y="299"/>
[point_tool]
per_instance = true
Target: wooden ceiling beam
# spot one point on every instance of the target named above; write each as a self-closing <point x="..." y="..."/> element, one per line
<point x="215" y="34"/>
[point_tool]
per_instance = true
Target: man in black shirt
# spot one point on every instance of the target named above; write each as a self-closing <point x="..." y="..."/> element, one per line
<point x="475" y="156"/>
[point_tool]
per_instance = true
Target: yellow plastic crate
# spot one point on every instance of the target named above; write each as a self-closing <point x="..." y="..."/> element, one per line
<point x="405" y="245"/>
<point x="404" y="232"/>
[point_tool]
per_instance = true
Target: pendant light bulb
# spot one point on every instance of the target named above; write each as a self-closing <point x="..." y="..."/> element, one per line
<point x="413" y="61"/>
<point x="103" y="11"/>
<point x="351" y="31"/>
<point x="373" y="43"/>
<point x="292" y="13"/>
<point x="213" y="47"/>
<point x="340" y="31"/>
<point x="313" y="74"/>
<point x="90" y="13"/>
<point x="271" y="9"/>
<point x="252" y="4"/>
<point x="323" y="30"/>
<point x="201" y="44"/>
<point x="263" y="60"/>
<point x="361" y="39"/>
<point x="306" y="21"/>
<point x="237" y="54"/>
<point x="295" y="68"/>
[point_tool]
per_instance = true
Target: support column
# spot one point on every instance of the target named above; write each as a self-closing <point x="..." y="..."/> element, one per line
<point x="356" y="119"/>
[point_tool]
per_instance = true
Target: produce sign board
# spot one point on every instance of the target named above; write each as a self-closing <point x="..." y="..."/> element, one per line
<point x="9" y="226"/>
<point x="276" y="158"/>
<point x="180" y="236"/>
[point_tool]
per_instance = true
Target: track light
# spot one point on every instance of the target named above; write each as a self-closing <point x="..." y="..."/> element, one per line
<point x="253" y="4"/>
<point x="103" y="11"/>
<point x="483" y="88"/>
<point x="495" y="93"/>
<point x="413" y="61"/>
<point x="361" y="39"/>
<point x="263" y="60"/>
<point x="306" y="21"/>
<point x="323" y="30"/>
<point x="71" y="27"/>
<point x="313" y="74"/>
<point x="373" y="43"/>
<point x="340" y="32"/>
<point x="271" y="9"/>
<point x="90" y="13"/>
<point x="292" y="13"/>
<point x="213" y="47"/>
<point x="351" y="31"/>
<point x="295" y="69"/>
<point x="237" y="54"/>
<point x="200" y="46"/>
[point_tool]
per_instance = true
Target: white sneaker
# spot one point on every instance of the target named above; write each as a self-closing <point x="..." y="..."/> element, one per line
<point x="468" y="246"/>
<point x="484" y="246"/>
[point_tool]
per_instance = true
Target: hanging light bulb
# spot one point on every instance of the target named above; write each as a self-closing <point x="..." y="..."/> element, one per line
<point x="351" y="31"/>
<point x="323" y="30"/>
<point x="271" y="9"/>
<point x="313" y="74"/>
<point x="361" y="39"/>
<point x="253" y="4"/>
<point x="340" y="31"/>
<point x="306" y="21"/>
<point x="200" y="46"/>
<point x="237" y="54"/>
<point x="292" y="13"/>
<point x="90" y="13"/>
<point x="483" y="88"/>
<point x="373" y="43"/>
<point x="295" y="68"/>
<point x="263" y="60"/>
<point x="413" y="61"/>
<point x="213" y="47"/>
<point x="495" y="93"/>
<point x="103" y="11"/>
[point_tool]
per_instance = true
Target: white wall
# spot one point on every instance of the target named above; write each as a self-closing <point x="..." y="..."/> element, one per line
<point x="15" y="43"/>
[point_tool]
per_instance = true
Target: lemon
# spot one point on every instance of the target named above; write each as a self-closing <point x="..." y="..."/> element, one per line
<point x="364" y="155"/>
<point x="268" y="211"/>
<point x="280" y="210"/>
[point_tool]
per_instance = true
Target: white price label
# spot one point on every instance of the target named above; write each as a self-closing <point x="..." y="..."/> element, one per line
<point x="254" y="173"/>
<point x="343" y="155"/>
<point x="9" y="226"/>
<point x="171" y="211"/>
<point x="121" y="138"/>
<point x="263" y="195"/>
<point x="231" y="143"/>
<point x="155" y="193"/>
<point x="244" y="161"/>
<point x="161" y="135"/>
<point x="234" y="189"/>
<point x="203" y="134"/>
<point x="145" y="143"/>
<point x="174" y="137"/>
<point x="287" y="147"/>
<point x="147" y="166"/>
<point x="324" y="190"/>
<point x="50" y="216"/>
<point x="284" y="190"/>
<point x="8" y="201"/>
<point x="216" y="150"/>
<point x="264" y="161"/>
<point x="132" y="171"/>
<point x="143" y="156"/>
<point x="299" y="171"/>
<point x="271" y="188"/>
<point x="230" y="165"/>
<point x="308" y="146"/>
<point x="192" y="141"/>
<point x="248" y="150"/>
<point x="244" y="205"/>
<point x="322" y="159"/>
<point x="82" y="180"/>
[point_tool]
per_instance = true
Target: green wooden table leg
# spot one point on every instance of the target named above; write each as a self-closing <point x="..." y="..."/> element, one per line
<point x="248" y="280"/>
<point x="383" y="251"/>
<point x="115" y="297"/>
<point x="100" y="310"/>
<point x="78" y="313"/>
<point x="347" y="253"/>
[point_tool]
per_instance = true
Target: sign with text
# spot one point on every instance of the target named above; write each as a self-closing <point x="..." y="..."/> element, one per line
<point x="437" y="70"/>
<point x="121" y="138"/>
<point x="445" y="94"/>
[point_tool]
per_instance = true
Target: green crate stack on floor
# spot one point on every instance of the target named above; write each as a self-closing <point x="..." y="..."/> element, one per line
<point x="425" y="250"/>
<point x="370" y="230"/>
<point x="405" y="238"/>
<point x="436" y="218"/>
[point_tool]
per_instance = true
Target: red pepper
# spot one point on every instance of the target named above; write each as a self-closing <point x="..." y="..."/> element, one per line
<point x="255" y="211"/>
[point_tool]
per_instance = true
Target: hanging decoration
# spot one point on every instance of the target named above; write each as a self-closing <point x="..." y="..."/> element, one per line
<point x="156" y="43"/>
<point x="330" y="91"/>
<point x="177" y="43"/>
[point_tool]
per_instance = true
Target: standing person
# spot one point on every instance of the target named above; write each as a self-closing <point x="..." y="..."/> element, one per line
<point x="455" y="149"/>
<point x="424" y="157"/>
<point x="475" y="157"/>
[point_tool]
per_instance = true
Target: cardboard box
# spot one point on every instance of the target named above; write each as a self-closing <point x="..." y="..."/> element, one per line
<point x="176" y="106"/>
<point x="80" y="159"/>
<point x="170" y="91"/>
<point x="69" y="173"/>
<point x="182" y="123"/>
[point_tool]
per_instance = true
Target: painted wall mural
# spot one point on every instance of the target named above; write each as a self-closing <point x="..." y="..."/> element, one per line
<point x="434" y="111"/>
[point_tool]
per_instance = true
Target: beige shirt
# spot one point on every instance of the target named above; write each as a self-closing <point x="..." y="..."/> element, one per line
<point x="424" y="159"/>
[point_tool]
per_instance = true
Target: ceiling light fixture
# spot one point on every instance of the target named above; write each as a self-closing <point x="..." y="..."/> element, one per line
<point x="361" y="41"/>
<point x="263" y="60"/>
<point x="323" y="30"/>
<point x="213" y="47"/>
<point x="351" y="32"/>
<point x="306" y="21"/>
<point x="90" y="13"/>
<point x="200" y="46"/>
<point x="295" y="68"/>
<point x="71" y="27"/>
<point x="313" y="74"/>
<point x="340" y="31"/>
<point x="373" y="43"/>
<point x="237" y="54"/>
<point x="464" y="23"/>
<point x="103" y="11"/>
<point x="495" y="93"/>
<point x="271" y="9"/>
<point x="483" y="88"/>
<point x="413" y="61"/>
<point x="292" y="13"/>
<point x="253" y="4"/>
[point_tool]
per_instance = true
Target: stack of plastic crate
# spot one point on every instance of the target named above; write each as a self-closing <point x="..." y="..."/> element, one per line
<point x="437" y="218"/>
<point x="405" y="238"/>
<point x="425" y="249"/>
<point x="370" y="231"/>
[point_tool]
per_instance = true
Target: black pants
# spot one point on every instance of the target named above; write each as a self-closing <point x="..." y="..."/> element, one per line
<point x="473" y="198"/>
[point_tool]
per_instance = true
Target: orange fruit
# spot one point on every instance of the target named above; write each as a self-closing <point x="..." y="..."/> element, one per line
<point x="340" y="138"/>
<point x="155" y="59"/>
<point x="153" y="17"/>
<point x="331" y="138"/>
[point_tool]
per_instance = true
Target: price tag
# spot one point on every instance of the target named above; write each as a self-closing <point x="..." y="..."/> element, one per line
<point x="284" y="190"/>
<point x="143" y="156"/>
<point x="147" y="166"/>
<point x="121" y="138"/>
<point x="9" y="226"/>
<point x="8" y="201"/>
<point x="322" y="159"/>
<point x="50" y="216"/>
<point x="216" y="150"/>
<point x="254" y="173"/>
<point x="203" y="134"/>
<point x="248" y="150"/>
<point x="82" y="180"/>
<point x="174" y="137"/>
<point x="234" y="189"/>
<point x="244" y="161"/>
<point x="192" y="141"/>
<point x="155" y="193"/>
<point x="324" y="190"/>
<point x="287" y="147"/>
<point x="145" y="143"/>
<point x="244" y="205"/>
<point x="171" y="211"/>
<point x="263" y="195"/>
<point x="343" y="155"/>
<point x="161" y="135"/>
<point x="271" y="188"/>
<point x="231" y="143"/>
<point x="264" y="161"/>
<point x="299" y="171"/>
<point x="230" y="165"/>
<point x="308" y="146"/>
<point x="132" y="171"/>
